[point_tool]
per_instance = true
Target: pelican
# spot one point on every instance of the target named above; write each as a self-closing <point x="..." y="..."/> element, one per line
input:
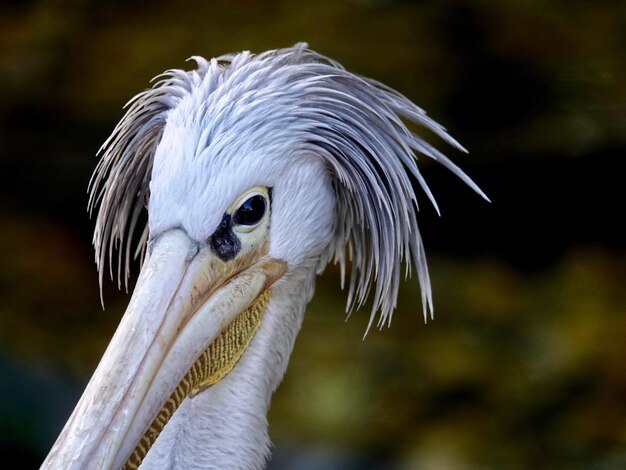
<point x="256" y="171"/>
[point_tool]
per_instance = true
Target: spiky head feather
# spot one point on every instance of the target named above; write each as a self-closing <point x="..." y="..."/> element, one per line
<point x="356" y="125"/>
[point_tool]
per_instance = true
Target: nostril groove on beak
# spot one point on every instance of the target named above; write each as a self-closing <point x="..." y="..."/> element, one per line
<point x="193" y="250"/>
<point x="194" y="245"/>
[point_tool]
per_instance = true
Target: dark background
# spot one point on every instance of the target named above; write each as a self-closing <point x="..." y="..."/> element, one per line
<point x="523" y="365"/>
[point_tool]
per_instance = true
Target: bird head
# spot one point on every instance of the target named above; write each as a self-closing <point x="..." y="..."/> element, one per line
<point x="253" y="168"/>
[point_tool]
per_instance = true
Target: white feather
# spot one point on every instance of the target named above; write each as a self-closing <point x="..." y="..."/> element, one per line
<point x="338" y="154"/>
<point x="278" y="107"/>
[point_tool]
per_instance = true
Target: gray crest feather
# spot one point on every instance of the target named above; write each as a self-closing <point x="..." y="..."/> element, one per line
<point x="358" y="126"/>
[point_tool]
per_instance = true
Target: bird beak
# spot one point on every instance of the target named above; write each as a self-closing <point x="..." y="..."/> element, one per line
<point x="185" y="298"/>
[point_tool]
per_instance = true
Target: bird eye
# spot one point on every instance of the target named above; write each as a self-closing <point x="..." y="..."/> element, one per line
<point x="251" y="211"/>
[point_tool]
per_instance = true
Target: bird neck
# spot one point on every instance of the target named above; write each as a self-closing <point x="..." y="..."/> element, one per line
<point x="226" y="425"/>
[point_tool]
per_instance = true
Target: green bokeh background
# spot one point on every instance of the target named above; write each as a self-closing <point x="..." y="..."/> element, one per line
<point x="524" y="364"/>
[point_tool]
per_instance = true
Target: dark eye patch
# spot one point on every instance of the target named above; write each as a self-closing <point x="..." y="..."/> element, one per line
<point x="224" y="243"/>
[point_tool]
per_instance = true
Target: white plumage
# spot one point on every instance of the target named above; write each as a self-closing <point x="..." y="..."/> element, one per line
<point x="337" y="158"/>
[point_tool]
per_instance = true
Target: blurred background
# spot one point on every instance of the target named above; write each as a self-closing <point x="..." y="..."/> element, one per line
<point x="524" y="364"/>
